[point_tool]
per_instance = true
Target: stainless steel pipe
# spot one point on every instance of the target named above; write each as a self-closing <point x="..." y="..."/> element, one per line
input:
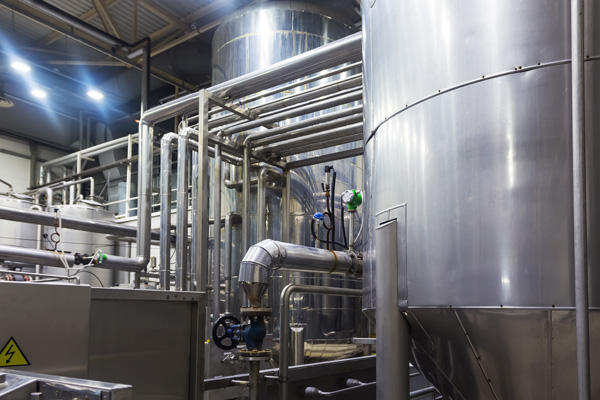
<point x="284" y="313"/>
<point x="265" y="174"/>
<point x="579" y="199"/>
<point x="183" y="156"/>
<point x="347" y="96"/>
<point x="166" y="171"/>
<point x="297" y="343"/>
<point x="217" y="233"/>
<point x="230" y="219"/>
<point x="269" y="255"/>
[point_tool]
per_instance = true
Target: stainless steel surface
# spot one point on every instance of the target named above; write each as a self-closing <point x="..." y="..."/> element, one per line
<point x="216" y="270"/>
<point x="82" y="242"/>
<point x="36" y="315"/>
<point x="392" y="329"/>
<point x="15" y="233"/>
<point x="269" y="255"/>
<point x="580" y="235"/>
<point x="166" y="172"/>
<point x="297" y="343"/>
<point x="202" y="187"/>
<point x="75" y="278"/>
<point x="326" y="375"/>
<point x="159" y="352"/>
<point x="485" y="172"/>
<point x="23" y="385"/>
<point x="284" y="340"/>
<point x="183" y="157"/>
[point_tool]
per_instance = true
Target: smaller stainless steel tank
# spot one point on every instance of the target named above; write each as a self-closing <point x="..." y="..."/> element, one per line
<point x="85" y="242"/>
<point x="17" y="233"/>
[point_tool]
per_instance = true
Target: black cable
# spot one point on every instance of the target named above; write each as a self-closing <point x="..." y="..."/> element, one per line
<point x="312" y="230"/>
<point x="333" y="178"/>
<point x="91" y="273"/>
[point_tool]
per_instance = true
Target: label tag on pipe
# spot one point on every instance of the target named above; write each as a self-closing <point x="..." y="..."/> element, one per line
<point x="12" y="355"/>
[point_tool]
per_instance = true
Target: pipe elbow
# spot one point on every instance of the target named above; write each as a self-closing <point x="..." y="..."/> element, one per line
<point x="260" y="261"/>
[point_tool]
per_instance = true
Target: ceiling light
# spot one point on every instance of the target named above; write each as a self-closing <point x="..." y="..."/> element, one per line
<point x="20" y="66"/>
<point x="95" y="94"/>
<point x="39" y="93"/>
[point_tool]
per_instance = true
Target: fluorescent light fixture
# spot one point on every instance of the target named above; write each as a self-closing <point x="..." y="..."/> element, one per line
<point x="39" y="93"/>
<point x="95" y="94"/>
<point x="20" y="66"/>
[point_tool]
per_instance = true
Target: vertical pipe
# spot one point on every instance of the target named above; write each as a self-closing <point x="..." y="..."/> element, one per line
<point x="579" y="199"/>
<point x="202" y="228"/>
<point x="392" y="333"/>
<point x="246" y="202"/>
<point x="194" y="244"/>
<point x="183" y="152"/>
<point x="78" y="172"/>
<point x="39" y="240"/>
<point x="217" y="233"/>
<point x="350" y="229"/>
<point x="285" y="221"/>
<point x="145" y="76"/>
<point x="227" y="259"/>
<point x="64" y="191"/>
<point x="297" y="343"/>
<point x="254" y="379"/>
<point x="128" y="176"/>
<point x="144" y="221"/>
<point x="166" y="165"/>
<point x="261" y="214"/>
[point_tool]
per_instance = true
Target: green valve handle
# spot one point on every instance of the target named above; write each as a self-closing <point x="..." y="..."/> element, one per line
<point x="352" y="198"/>
<point x="102" y="257"/>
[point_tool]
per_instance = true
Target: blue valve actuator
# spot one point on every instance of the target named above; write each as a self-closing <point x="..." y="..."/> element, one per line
<point x="318" y="216"/>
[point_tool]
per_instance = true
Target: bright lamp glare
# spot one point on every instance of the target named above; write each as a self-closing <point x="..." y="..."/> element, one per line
<point x="39" y="93"/>
<point x="95" y="94"/>
<point x="20" y="66"/>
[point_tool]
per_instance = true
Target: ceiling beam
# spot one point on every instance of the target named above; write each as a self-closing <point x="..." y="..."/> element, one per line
<point x="163" y="14"/>
<point x="204" y="11"/>
<point x="90" y="41"/>
<point x="107" y="21"/>
<point x="86" y="17"/>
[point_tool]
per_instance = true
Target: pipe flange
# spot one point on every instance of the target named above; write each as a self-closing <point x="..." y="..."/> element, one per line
<point x="256" y="311"/>
<point x="255" y="355"/>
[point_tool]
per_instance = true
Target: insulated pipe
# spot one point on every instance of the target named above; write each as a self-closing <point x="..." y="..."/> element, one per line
<point x="166" y="166"/>
<point x="327" y="56"/>
<point x="579" y="199"/>
<point x="183" y="155"/>
<point x="194" y="243"/>
<point x="347" y="96"/>
<point x="294" y="99"/>
<point x="90" y="152"/>
<point x="217" y="233"/>
<point x="269" y="255"/>
<point x="34" y="256"/>
<point x="333" y="123"/>
<point x="284" y="314"/>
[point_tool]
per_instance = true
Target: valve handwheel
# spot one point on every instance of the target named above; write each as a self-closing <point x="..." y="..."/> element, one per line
<point x="226" y="329"/>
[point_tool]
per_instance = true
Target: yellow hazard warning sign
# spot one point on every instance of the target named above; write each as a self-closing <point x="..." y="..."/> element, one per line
<point x="12" y="356"/>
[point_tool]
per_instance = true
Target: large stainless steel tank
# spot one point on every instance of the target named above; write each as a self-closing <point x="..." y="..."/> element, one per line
<point x="472" y="156"/>
<point x="17" y="233"/>
<point x="85" y="242"/>
<point x="254" y="38"/>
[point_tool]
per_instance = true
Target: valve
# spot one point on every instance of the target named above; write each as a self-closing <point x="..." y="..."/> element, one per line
<point x="227" y="329"/>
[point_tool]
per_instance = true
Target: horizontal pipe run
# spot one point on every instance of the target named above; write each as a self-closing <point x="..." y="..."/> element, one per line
<point x="320" y="137"/>
<point x="81" y="224"/>
<point x="339" y="155"/>
<point x="89" y="152"/>
<point x="343" y="98"/>
<point x="310" y="130"/>
<point x="356" y="137"/>
<point x="284" y="315"/>
<point x="292" y="85"/>
<point x="38" y="275"/>
<point x="348" y="49"/>
<point x="306" y="123"/>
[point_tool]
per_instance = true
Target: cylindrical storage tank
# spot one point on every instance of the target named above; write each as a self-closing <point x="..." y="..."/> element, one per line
<point x="468" y="149"/>
<point x="76" y="241"/>
<point x="254" y="38"/>
<point x="18" y="233"/>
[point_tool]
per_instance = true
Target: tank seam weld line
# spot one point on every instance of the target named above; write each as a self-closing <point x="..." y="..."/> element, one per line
<point x="516" y="70"/>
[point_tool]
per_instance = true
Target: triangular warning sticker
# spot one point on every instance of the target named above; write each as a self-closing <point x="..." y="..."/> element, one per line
<point x="11" y="355"/>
